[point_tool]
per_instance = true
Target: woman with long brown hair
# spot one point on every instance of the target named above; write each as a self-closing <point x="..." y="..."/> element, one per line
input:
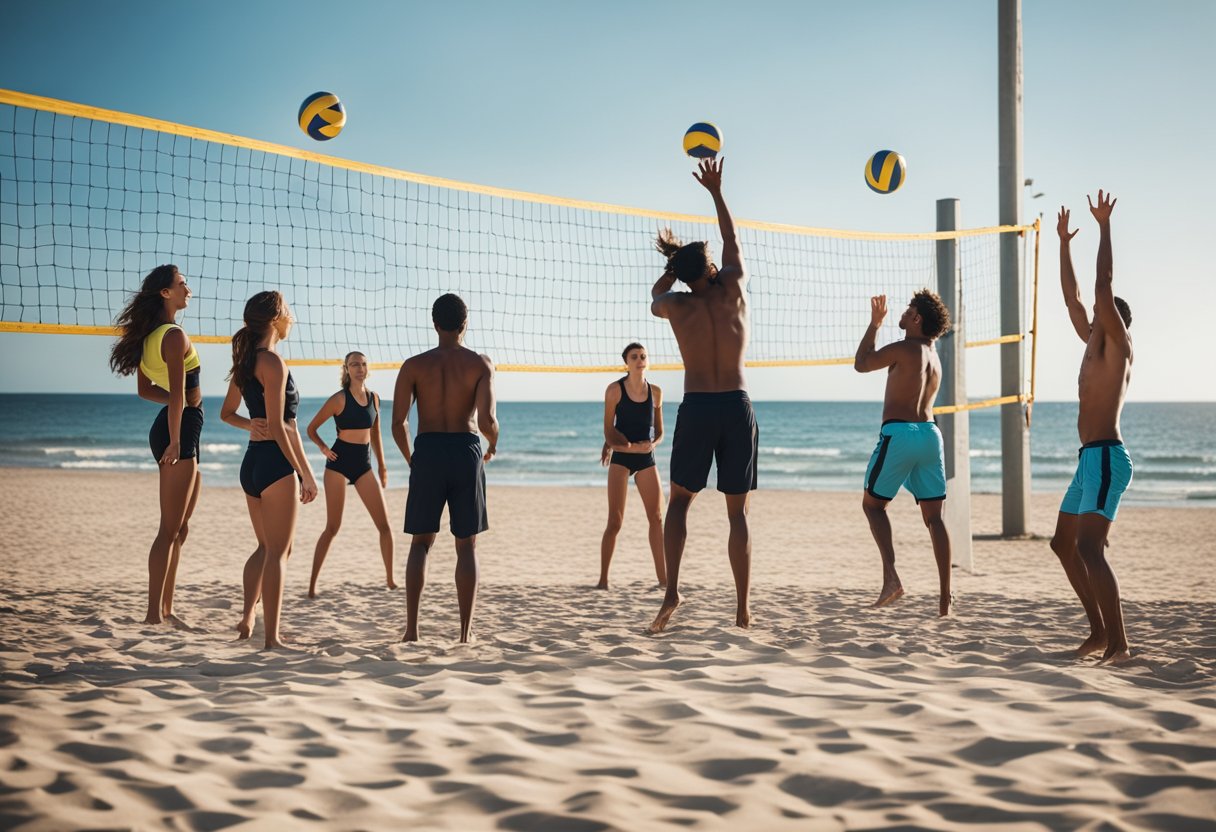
<point x="271" y="466"/>
<point x="633" y="426"/>
<point x="349" y="460"/>
<point x="166" y="367"/>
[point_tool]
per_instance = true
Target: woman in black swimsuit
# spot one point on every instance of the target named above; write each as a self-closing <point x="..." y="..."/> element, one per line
<point x="356" y="414"/>
<point x="271" y="466"/>
<point x="633" y="426"/>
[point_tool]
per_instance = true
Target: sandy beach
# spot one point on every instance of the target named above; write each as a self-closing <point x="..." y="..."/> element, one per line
<point x="563" y="714"/>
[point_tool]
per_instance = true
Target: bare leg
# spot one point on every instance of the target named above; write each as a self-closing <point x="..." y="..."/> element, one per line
<point x="675" y="533"/>
<point x="415" y="580"/>
<point x="335" y="500"/>
<point x="650" y="487"/>
<point x="1092" y="530"/>
<point x="739" y="547"/>
<point x="466" y="582"/>
<point x="618" y="487"/>
<point x="175" y="553"/>
<point x="280" y="502"/>
<point x="880" y="527"/>
<point x="931" y="511"/>
<point x="176" y="484"/>
<point x="1064" y="544"/>
<point x="369" y="491"/>
<point x="251" y="576"/>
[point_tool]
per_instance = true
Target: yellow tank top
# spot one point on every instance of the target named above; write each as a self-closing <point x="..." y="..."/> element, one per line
<point x="152" y="364"/>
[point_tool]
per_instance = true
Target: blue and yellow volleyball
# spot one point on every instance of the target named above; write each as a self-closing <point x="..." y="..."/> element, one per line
<point x="703" y="140"/>
<point x="322" y="116"/>
<point x="885" y="172"/>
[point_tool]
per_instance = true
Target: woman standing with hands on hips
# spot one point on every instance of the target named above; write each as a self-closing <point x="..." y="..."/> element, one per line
<point x="349" y="461"/>
<point x="271" y="466"/>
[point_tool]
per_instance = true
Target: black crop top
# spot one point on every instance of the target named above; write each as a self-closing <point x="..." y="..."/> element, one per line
<point x="255" y="398"/>
<point x="355" y="416"/>
<point x="635" y="419"/>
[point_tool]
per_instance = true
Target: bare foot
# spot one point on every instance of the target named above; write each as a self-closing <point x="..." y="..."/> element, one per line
<point x="410" y="635"/>
<point x="945" y="606"/>
<point x="889" y="595"/>
<point x="276" y="644"/>
<point x="1095" y="642"/>
<point x="1116" y="657"/>
<point x="154" y="619"/>
<point x="391" y="584"/>
<point x="312" y="593"/>
<point x="603" y="584"/>
<point x="743" y="618"/>
<point x="660" y="621"/>
<point x="244" y="629"/>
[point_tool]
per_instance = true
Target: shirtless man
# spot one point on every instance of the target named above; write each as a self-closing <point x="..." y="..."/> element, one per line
<point x="454" y="389"/>
<point x="909" y="450"/>
<point x="710" y="322"/>
<point x="1104" y="470"/>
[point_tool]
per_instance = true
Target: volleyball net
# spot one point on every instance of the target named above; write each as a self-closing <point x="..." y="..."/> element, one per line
<point x="92" y="199"/>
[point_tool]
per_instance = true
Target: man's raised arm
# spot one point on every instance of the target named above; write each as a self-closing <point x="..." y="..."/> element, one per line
<point x="658" y="294"/>
<point x="1105" y="311"/>
<point x="1068" y="278"/>
<point x="869" y="359"/>
<point x="709" y="174"/>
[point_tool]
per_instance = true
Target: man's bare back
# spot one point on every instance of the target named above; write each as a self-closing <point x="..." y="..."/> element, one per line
<point x="912" y="382"/>
<point x="712" y="330"/>
<point x="1106" y="371"/>
<point x="444" y="383"/>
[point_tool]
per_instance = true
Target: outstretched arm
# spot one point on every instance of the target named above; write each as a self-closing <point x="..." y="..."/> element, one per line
<point x="1105" y="311"/>
<point x="1068" y="278"/>
<point x="709" y="174"/>
<point x="869" y="359"/>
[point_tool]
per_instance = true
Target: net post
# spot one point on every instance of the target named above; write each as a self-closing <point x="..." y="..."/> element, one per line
<point x="956" y="426"/>
<point x="1015" y="436"/>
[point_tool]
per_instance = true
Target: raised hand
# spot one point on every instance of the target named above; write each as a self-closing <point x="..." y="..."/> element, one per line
<point x="878" y="310"/>
<point x="1062" y="225"/>
<point x="1102" y="210"/>
<point x="709" y="174"/>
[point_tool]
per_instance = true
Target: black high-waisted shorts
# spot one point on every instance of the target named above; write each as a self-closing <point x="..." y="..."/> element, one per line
<point x="190" y="435"/>
<point x="634" y="462"/>
<point x="353" y="460"/>
<point x="263" y="466"/>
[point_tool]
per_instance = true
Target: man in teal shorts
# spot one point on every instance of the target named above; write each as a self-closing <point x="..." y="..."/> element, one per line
<point x="909" y="450"/>
<point x="1104" y="469"/>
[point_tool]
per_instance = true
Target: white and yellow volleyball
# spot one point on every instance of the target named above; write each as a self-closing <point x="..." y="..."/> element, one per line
<point x="322" y="116"/>
<point x="885" y="172"/>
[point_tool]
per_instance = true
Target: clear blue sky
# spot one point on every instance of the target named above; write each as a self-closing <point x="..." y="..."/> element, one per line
<point x="588" y="100"/>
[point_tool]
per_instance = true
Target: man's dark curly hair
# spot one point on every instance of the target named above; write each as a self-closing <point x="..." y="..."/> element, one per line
<point x="935" y="317"/>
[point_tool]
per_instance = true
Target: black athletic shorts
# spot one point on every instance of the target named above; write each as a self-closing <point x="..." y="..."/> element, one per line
<point x="634" y="462"/>
<point x="353" y="460"/>
<point x="263" y="466"/>
<point x="447" y="470"/>
<point x="190" y="434"/>
<point x="718" y="426"/>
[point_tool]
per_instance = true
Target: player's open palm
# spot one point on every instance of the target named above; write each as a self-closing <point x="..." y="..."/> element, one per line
<point x="878" y="310"/>
<point x="1105" y="205"/>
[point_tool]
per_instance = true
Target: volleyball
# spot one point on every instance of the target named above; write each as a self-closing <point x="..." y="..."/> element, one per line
<point x="885" y="172"/>
<point x="322" y="116"/>
<point x="703" y="140"/>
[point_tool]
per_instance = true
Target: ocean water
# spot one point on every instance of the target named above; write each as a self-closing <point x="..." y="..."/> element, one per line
<point x="811" y="446"/>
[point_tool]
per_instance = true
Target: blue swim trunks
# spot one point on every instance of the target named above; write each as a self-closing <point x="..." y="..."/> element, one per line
<point x="909" y="454"/>
<point x="1104" y="471"/>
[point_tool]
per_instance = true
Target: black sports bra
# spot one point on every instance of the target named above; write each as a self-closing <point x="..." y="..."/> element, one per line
<point x="255" y="398"/>
<point x="355" y="416"/>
